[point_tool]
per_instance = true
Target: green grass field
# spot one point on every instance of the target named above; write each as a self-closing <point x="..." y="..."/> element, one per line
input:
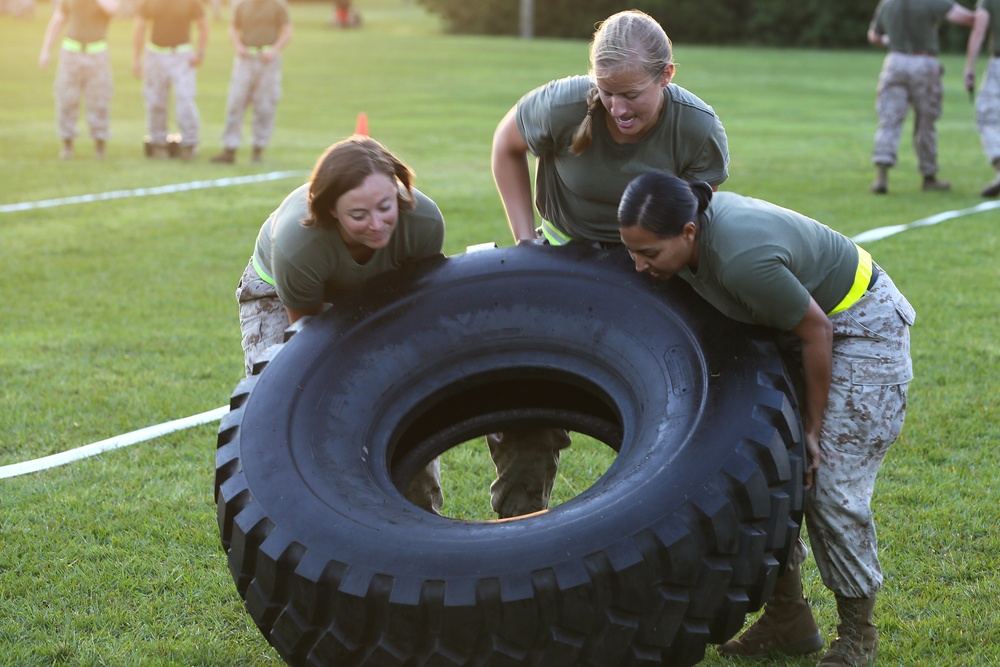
<point x="120" y="314"/>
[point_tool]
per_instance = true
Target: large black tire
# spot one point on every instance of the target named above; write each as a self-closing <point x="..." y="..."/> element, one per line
<point x="681" y="537"/>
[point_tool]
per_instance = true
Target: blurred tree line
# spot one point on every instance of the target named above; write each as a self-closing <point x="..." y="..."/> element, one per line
<point x="784" y="23"/>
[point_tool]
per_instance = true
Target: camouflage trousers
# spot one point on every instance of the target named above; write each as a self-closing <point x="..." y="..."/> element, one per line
<point x="84" y="76"/>
<point x="254" y="82"/>
<point x="526" y="461"/>
<point x="161" y="73"/>
<point x="909" y="80"/>
<point x="863" y="417"/>
<point x="988" y="112"/>
<point x="263" y="320"/>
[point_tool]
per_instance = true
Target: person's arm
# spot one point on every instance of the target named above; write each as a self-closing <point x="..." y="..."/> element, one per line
<point x="815" y="331"/>
<point x="513" y="178"/>
<point x="199" y="55"/>
<point x="960" y="15"/>
<point x="237" y="39"/>
<point x="296" y="314"/>
<point x="980" y="27"/>
<point x="138" y="45"/>
<point x="284" y="37"/>
<point x="878" y="39"/>
<point x="53" y="29"/>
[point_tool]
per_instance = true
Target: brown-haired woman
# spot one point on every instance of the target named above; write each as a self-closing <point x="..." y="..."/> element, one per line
<point x="357" y="217"/>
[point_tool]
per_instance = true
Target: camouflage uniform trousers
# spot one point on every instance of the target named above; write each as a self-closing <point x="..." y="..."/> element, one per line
<point x="526" y="461"/>
<point x="86" y="75"/>
<point x="263" y="320"/>
<point x="988" y="112"/>
<point x="863" y="417"/>
<point x="905" y="80"/>
<point x="258" y="83"/>
<point x="161" y="73"/>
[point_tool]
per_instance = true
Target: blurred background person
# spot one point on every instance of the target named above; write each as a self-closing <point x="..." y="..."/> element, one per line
<point x="83" y="70"/>
<point x="986" y="21"/>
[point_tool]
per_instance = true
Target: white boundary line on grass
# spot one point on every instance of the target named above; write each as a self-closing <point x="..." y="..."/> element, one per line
<point x="117" y="442"/>
<point x="146" y="192"/>
<point x="151" y="432"/>
<point x="880" y="233"/>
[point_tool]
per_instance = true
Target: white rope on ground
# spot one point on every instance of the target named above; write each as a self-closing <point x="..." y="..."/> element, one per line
<point x="214" y="415"/>
<point x="884" y="232"/>
<point x="117" y="442"/>
<point x="146" y="192"/>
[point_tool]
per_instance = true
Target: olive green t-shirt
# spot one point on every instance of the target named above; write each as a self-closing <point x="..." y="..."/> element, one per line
<point x="86" y="21"/>
<point x="993" y="7"/>
<point x="912" y="25"/>
<point x="760" y="263"/>
<point x="308" y="265"/>
<point x="259" y="22"/>
<point x="171" y="20"/>
<point x="579" y="194"/>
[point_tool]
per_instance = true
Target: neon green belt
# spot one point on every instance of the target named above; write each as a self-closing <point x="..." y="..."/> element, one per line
<point x="180" y="48"/>
<point x="261" y="272"/>
<point x="553" y="235"/>
<point x="862" y="279"/>
<point x="84" y="47"/>
<point x="257" y="50"/>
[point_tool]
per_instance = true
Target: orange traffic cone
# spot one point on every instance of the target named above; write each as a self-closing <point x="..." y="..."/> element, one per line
<point x="361" y="127"/>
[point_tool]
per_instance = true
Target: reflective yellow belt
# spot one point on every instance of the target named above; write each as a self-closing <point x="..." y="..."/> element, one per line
<point x="862" y="281"/>
<point x="553" y="235"/>
<point x="84" y="47"/>
<point x="180" y="48"/>
<point x="260" y="271"/>
<point x="257" y="50"/>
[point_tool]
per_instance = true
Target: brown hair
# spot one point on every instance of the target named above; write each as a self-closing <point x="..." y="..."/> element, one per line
<point x="626" y="40"/>
<point x="343" y="166"/>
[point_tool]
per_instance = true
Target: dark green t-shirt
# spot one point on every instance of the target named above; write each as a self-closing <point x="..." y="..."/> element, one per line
<point x="171" y="20"/>
<point x="86" y="21"/>
<point x="759" y="263"/>
<point x="579" y="194"/>
<point x="912" y="25"/>
<point x="259" y="22"/>
<point x="993" y="7"/>
<point x="310" y="264"/>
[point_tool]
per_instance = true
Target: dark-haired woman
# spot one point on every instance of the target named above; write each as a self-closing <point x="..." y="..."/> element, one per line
<point x="357" y="217"/>
<point x="759" y="263"/>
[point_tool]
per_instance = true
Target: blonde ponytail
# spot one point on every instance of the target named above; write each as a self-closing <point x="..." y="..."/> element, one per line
<point x="584" y="134"/>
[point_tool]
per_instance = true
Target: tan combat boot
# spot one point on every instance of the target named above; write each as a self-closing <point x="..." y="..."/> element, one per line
<point x="881" y="184"/>
<point x="227" y="156"/>
<point x="992" y="188"/>
<point x="932" y="184"/>
<point x="856" y="644"/>
<point x="786" y="626"/>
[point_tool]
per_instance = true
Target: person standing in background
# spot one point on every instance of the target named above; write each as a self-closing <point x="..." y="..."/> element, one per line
<point x="84" y="68"/>
<point x="911" y="75"/>
<point x="171" y="62"/>
<point x="987" y="20"/>
<point x="260" y="29"/>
